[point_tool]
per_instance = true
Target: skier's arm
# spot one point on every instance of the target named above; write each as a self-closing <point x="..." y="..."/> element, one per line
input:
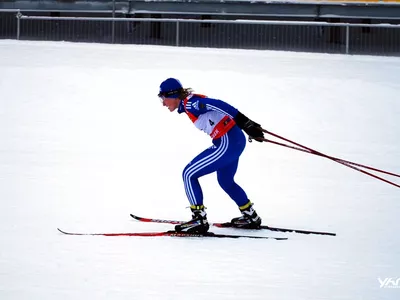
<point x="203" y="105"/>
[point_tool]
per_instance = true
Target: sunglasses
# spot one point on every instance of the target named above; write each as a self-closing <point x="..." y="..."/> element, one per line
<point x="168" y="94"/>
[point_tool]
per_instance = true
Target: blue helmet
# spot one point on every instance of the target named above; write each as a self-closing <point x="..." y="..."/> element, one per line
<point x="170" y="88"/>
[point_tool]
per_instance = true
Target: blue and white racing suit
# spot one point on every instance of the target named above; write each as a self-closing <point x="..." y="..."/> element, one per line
<point x="215" y="117"/>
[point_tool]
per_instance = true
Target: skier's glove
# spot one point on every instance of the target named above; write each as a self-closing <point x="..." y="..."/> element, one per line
<point x="252" y="128"/>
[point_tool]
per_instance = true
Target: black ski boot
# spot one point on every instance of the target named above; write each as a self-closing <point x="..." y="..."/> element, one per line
<point x="249" y="218"/>
<point x="198" y="224"/>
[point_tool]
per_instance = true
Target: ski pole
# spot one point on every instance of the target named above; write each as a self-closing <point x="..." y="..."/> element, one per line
<point x="338" y="160"/>
<point x="332" y="157"/>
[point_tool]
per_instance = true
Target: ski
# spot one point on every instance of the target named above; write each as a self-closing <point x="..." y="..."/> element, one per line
<point x="229" y="225"/>
<point x="175" y="234"/>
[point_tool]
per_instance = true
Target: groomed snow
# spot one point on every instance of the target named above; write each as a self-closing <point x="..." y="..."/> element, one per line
<point x="85" y="141"/>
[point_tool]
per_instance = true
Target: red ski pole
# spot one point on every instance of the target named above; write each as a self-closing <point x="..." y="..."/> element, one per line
<point x="338" y="160"/>
<point x="342" y="160"/>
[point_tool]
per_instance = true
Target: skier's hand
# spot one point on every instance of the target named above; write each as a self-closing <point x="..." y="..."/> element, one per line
<point x="252" y="128"/>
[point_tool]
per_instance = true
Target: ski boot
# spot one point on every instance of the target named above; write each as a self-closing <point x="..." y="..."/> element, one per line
<point x="198" y="224"/>
<point x="249" y="218"/>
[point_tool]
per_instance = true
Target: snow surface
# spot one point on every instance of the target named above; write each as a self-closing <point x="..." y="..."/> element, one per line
<point x="85" y="141"/>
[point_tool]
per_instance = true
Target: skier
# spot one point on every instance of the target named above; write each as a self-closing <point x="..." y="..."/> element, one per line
<point x="224" y="124"/>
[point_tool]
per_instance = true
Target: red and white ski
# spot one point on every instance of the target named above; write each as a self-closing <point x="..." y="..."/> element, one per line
<point x="175" y="234"/>
<point x="229" y="225"/>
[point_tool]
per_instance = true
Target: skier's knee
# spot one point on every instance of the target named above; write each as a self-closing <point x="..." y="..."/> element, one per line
<point x="188" y="173"/>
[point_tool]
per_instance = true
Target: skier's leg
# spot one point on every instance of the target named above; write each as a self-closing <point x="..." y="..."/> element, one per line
<point x="206" y="162"/>
<point x="226" y="180"/>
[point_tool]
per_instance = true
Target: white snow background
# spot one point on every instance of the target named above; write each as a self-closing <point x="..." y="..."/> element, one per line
<point x="85" y="142"/>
